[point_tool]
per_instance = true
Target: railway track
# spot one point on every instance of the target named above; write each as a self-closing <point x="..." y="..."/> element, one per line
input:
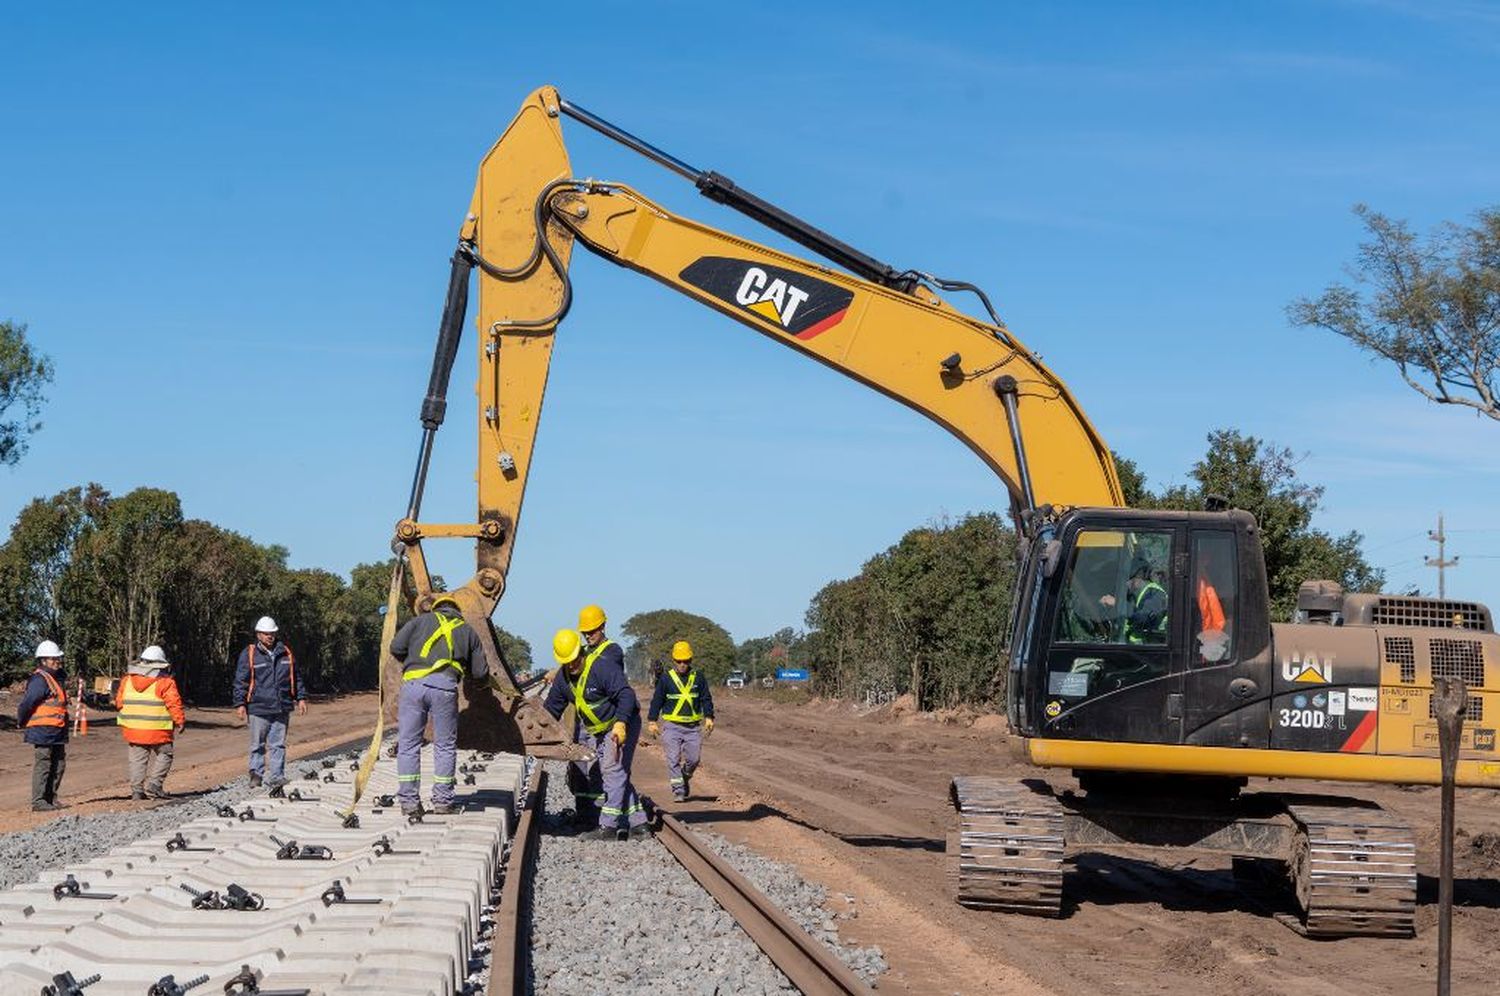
<point x="806" y="962"/>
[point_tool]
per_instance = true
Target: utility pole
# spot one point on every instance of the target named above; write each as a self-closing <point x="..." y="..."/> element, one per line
<point x="1442" y="564"/>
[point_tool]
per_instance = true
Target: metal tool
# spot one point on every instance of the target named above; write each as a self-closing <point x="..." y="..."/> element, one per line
<point x="69" y="888"/>
<point x="234" y="898"/>
<point x="295" y="795"/>
<point x="247" y="983"/>
<point x="179" y="843"/>
<point x="335" y="894"/>
<point x="383" y="847"/>
<point x="247" y="815"/>
<point x="63" y="984"/>
<point x="168" y="985"/>
<point x="290" y="850"/>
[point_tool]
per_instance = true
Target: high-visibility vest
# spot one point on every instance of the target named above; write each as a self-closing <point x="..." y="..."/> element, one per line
<point x="587" y="711"/>
<point x="143" y="710"/>
<point x="446" y="626"/>
<point x="53" y="711"/>
<point x="684" y="700"/>
<point x="1210" y="609"/>
<point x="1133" y="635"/>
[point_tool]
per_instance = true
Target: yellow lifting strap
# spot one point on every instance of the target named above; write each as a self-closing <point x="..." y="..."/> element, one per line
<point x="387" y="634"/>
<point x="446" y="626"/>
<point x="686" y="697"/>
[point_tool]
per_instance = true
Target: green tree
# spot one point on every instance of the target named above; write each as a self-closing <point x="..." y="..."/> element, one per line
<point x="1432" y="307"/>
<point x="516" y="651"/>
<point x="652" y="634"/>
<point x="1262" y="479"/>
<point x="23" y="374"/>
<point x="114" y="588"/>
<point x="926" y="617"/>
<point x="32" y="562"/>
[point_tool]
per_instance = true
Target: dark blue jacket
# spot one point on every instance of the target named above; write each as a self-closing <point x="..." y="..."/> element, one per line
<point x="606" y="683"/>
<point x="37" y="692"/>
<point x="665" y="688"/>
<point x="265" y="681"/>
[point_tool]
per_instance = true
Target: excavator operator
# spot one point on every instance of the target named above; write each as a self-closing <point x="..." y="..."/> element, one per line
<point x="1146" y="621"/>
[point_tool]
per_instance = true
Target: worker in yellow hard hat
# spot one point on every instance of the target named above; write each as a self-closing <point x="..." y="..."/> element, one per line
<point x="584" y="779"/>
<point x="683" y="702"/>
<point x="608" y="717"/>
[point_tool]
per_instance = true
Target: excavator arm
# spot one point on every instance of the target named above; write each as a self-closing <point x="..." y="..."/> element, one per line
<point x="883" y="327"/>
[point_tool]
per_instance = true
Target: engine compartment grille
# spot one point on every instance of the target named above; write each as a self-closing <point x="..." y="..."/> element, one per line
<point x="1400" y="650"/>
<point x="1462" y="659"/>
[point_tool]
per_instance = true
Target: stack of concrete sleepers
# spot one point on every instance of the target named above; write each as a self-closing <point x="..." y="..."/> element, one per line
<point x="407" y="922"/>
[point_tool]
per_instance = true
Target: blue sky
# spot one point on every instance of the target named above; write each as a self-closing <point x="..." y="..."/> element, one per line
<point x="229" y="225"/>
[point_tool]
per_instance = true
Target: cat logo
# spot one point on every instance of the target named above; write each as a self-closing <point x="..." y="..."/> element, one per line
<point x="794" y="302"/>
<point x="1308" y="669"/>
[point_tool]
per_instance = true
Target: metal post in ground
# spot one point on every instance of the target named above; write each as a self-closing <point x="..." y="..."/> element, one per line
<point x="1450" y="696"/>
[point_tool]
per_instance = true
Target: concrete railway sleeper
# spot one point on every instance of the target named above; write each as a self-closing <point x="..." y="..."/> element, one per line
<point x="380" y="906"/>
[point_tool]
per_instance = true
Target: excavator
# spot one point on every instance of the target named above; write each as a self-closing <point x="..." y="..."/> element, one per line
<point x="1141" y="657"/>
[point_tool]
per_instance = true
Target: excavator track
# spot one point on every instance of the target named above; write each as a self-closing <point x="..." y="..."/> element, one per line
<point x="1354" y="870"/>
<point x="1008" y="851"/>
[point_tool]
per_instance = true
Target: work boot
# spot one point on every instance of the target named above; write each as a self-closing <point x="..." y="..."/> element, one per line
<point x="600" y="833"/>
<point x="275" y="783"/>
<point x="637" y="832"/>
<point x="255" y="780"/>
<point x="137" y="795"/>
<point x="157" y="793"/>
<point x="445" y="808"/>
<point x="44" y="806"/>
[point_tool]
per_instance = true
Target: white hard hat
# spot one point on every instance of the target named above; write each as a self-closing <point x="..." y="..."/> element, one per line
<point x="265" y="624"/>
<point x="154" y="655"/>
<point x="48" y="649"/>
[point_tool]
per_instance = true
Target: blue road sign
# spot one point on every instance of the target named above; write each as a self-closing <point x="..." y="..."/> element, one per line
<point x="791" y="674"/>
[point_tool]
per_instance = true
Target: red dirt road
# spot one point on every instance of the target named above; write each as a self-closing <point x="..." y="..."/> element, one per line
<point x="859" y="803"/>
<point x="209" y="753"/>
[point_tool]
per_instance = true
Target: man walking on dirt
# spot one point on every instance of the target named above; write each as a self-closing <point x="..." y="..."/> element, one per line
<point x="266" y="690"/>
<point x="689" y="718"/>
<point x="436" y="650"/>
<point x="608" y="715"/>
<point x="150" y="717"/>
<point x="43" y="713"/>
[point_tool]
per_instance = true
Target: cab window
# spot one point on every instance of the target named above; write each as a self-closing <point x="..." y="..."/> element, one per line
<point x="1214" y="597"/>
<point x="1115" y="591"/>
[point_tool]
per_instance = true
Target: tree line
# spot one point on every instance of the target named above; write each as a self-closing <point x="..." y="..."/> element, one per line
<point x="107" y="575"/>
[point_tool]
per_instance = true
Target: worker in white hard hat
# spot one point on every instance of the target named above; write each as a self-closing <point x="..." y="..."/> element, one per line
<point x="266" y="690"/>
<point x="150" y="717"/>
<point x="43" y="713"/>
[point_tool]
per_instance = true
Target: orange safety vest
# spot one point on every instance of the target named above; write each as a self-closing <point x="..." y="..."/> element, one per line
<point x="144" y="717"/>
<point x="52" y="712"/>
<point x="1209" y="608"/>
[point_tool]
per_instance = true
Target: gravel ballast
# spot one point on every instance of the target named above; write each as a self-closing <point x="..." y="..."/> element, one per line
<point x="625" y="917"/>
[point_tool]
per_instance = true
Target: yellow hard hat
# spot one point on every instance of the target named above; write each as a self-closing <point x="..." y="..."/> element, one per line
<point x="590" y="618"/>
<point x="446" y="599"/>
<point x="682" y="651"/>
<point x="565" y="645"/>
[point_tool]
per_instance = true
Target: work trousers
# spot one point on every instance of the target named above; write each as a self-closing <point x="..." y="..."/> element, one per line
<point x="47" y="772"/>
<point x="149" y="765"/>
<point x="419" y="702"/>
<point x="622" y="807"/>
<point x="268" y="746"/>
<point x="682" y="743"/>
<point x="585" y="782"/>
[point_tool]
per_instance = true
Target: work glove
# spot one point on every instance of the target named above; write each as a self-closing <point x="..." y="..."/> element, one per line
<point x="618" y="733"/>
<point x="654" y="727"/>
<point x="708" y="726"/>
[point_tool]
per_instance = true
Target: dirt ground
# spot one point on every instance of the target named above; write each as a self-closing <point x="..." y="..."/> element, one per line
<point x="210" y="752"/>
<point x="859" y="803"/>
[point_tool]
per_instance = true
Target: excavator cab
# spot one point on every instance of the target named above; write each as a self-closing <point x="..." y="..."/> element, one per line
<point x="1142" y="626"/>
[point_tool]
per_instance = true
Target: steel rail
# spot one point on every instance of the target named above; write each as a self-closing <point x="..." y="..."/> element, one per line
<point x="804" y="960"/>
<point x="510" y="946"/>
